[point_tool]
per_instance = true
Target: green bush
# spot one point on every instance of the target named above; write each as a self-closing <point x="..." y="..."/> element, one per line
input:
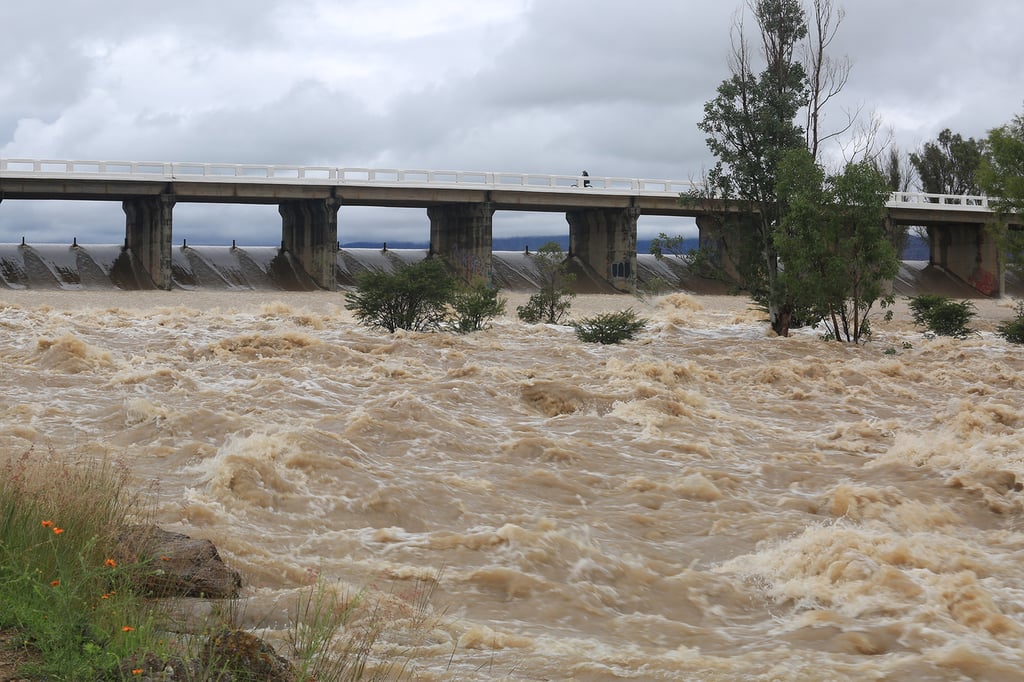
<point x="609" y="327"/>
<point x="1013" y="331"/>
<point x="474" y="304"/>
<point x="942" y="316"/>
<point x="413" y="297"/>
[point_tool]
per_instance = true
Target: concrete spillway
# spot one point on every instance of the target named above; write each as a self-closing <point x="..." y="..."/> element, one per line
<point x="109" y="266"/>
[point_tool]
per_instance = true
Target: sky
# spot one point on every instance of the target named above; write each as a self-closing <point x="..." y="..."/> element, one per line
<point x="526" y="86"/>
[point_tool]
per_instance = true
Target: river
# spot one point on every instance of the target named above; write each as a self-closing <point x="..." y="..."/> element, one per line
<point x="706" y="502"/>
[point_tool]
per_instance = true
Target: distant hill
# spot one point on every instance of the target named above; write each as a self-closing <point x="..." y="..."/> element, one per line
<point x="917" y="248"/>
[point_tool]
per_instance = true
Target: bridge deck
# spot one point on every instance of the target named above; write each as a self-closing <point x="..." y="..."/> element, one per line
<point x="269" y="184"/>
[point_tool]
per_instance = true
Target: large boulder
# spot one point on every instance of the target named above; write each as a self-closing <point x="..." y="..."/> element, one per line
<point x="176" y="565"/>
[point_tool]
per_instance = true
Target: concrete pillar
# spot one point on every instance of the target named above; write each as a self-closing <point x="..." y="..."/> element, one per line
<point x="309" y="232"/>
<point x="968" y="252"/>
<point x="604" y="239"/>
<point x="463" y="235"/>
<point x="725" y="241"/>
<point x="148" y="235"/>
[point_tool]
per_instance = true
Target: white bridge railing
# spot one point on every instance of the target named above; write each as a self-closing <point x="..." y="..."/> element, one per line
<point x="965" y="202"/>
<point x="257" y="173"/>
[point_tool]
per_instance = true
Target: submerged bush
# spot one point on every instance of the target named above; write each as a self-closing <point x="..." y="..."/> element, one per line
<point x="414" y="297"/>
<point x="551" y="304"/>
<point x="422" y="297"/>
<point x="473" y="305"/>
<point x="609" y="327"/>
<point x="1013" y="331"/>
<point x="942" y="315"/>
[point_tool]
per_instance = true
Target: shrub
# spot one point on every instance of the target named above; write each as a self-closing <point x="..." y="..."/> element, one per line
<point x="941" y="315"/>
<point x="609" y="327"/>
<point x="1013" y="331"/>
<point x="474" y="304"/>
<point x="413" y="297"/>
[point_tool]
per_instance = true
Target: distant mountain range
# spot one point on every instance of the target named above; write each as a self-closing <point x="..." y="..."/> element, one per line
<point x="917" y="248"/>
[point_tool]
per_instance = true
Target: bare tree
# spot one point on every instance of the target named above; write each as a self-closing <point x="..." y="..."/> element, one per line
<point x="826" y="75"/>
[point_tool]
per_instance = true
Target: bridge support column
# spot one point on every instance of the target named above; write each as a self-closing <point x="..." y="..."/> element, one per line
<point x="148" y="235"/>
<point x="727" y="243"/>
<point x="604" y="239"/>
<point x="309" y="232"/>
<point x="463" y="235"/>
<point x="969" y="252"/>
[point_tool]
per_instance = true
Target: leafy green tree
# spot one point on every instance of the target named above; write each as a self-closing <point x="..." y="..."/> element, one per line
<point x="413" y="297"/>
<point x="949" y="165"/>
<point x="833" y="244"/>
<point x="552" y="302"/>
<point x="750" y="126"/>
<point x="1001" y="176"/>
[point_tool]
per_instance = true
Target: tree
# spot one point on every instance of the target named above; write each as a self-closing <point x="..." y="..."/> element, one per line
<point x="750" y="126"/>
<point x="1001" y="177"/>
<point x="413" y="297"/>
<point x="949" y="165"/>
<point x="552" y="302"/>
<point x="896" y="168"/>
<point x="826" y="75"/>
<point x="899" y="175"/>
<point x="833" y="244"/>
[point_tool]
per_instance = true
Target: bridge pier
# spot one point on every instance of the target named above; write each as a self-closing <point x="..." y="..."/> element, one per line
<point x="148" y="222"/>
<point x="969" y="252"/>
<point x="309" y="231"/>
<point x="604" y="239"/>
<point x="726" y="242"/>
<point x="463" y="235"/>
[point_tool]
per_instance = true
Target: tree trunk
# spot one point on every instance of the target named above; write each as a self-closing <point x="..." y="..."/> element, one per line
<point x="782" y="317"/>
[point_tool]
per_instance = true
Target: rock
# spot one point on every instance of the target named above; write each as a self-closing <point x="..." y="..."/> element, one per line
<point x="176" y="565"/>
<point x="241" y="656"/>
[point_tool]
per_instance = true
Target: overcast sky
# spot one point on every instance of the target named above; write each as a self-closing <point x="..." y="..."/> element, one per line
<point x="552" y="86"/>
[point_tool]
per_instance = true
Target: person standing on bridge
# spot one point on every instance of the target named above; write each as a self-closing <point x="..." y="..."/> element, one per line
<point x="586" y="182"/>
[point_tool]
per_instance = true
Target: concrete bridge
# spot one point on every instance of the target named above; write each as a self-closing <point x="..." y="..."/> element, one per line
<point x="602" y="212"/>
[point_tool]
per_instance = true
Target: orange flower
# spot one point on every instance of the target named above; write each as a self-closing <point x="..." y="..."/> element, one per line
<point x="54" y="583"/>
<point x="104" y="596"/>
<point x="110" y="563"/>
<point x="47" y="524"/>
<point x="126" y="628"/>
<point x="165" y="558"/>
<point x="136" y="671"/>
<point x="58" y="531"/>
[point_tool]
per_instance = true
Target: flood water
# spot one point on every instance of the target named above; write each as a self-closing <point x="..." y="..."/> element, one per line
<point x="703" y="503"/>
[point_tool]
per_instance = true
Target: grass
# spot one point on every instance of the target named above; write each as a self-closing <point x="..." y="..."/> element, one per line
<point x="59" y="583"/>
<point x="69" y="603"/>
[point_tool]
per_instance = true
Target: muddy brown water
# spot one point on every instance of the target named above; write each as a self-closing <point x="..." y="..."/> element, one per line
<point x="706" y="502"/>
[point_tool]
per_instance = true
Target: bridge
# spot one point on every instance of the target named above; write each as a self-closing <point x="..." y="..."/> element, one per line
<point x="601" y="212"/>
